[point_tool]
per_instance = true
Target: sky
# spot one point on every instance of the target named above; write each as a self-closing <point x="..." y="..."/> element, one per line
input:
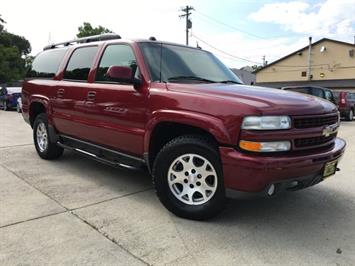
<point x="239" y="32"/>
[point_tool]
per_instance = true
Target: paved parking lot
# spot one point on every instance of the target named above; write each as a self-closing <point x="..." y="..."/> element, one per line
<point x="77" y="211"/>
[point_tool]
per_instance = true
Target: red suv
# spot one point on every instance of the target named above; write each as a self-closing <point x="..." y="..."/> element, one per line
<point x="181" y="113"/>
<point x="346" y="103"/>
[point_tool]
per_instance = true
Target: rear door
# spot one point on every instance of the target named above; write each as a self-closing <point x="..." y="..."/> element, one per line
<point x="116" y="111"/>
<point x="71" y="93"/>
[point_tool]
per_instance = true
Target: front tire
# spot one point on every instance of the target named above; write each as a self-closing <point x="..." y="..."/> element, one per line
<point x="188" y="178"/>
<point x="46" y="149"/>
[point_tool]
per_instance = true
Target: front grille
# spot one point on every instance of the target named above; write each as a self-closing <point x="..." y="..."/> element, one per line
<point x="315" y="121"/>
<point x="313" y="141"/>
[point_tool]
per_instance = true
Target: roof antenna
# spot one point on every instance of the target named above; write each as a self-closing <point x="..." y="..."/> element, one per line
<point x="152" y="38"/>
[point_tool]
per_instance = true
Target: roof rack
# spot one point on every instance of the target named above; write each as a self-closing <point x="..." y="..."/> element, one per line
<point x="95" y="38"/>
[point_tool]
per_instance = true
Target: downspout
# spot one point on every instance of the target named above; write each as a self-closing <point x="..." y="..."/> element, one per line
<point x="309" y="74"/>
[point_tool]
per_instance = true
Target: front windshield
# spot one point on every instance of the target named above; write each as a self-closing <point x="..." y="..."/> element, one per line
<point x="173" y="63"/>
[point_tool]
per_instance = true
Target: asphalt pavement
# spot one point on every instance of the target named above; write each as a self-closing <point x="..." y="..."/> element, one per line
<point x="78" y="211"/>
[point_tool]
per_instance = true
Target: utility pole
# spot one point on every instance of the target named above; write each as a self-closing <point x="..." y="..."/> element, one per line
<point x="264" y="61"/>
<point x="309" y="74"/>
<point x="186" y="15"/>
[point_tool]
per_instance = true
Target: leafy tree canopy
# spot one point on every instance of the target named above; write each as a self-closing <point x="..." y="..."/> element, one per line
<point x="13" y="55"/>
<point x="87" y="30"/>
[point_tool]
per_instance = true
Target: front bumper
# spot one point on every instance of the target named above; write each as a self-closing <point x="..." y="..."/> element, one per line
<point x="254" y="173"/>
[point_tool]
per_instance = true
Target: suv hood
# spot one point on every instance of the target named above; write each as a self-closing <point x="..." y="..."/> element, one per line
<point x="267" y="100"/>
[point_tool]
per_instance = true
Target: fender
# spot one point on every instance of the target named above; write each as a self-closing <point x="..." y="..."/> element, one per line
<point x="37" y="98"/>
<point x="209" y="123"/>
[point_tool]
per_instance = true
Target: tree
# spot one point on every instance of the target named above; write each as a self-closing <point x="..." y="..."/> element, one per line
<point x="87" y="30"/>
<point x="13" y="53"/>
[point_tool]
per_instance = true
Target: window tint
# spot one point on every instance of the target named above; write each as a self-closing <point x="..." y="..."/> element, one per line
<point x="300" y="90"/>
<point x="46" y="64"/>
<point x="317" y="92"/>
<point x="116" y="55"/>
<point x="173" y="61"/>
<point x="328" y="95"/>
<point x="80" y="63"/>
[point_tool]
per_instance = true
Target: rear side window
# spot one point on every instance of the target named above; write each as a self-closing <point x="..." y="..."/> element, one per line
<point x="80" y="63"/>
<point x="328" y="95"/>
<point x="300" y="90"/>
<point x="46" y="64"/>
<point x="318" y="92"/>
<point x="116" y="55"/>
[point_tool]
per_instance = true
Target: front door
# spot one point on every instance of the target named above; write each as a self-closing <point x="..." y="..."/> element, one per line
<point x="115" y="109"/>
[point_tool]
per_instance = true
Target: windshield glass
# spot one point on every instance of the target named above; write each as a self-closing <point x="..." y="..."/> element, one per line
<point x="173" y="63"/>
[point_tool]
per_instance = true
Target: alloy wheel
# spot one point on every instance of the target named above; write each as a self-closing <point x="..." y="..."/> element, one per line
<point x="42" y="137"/>
<point x="192" y="179"/>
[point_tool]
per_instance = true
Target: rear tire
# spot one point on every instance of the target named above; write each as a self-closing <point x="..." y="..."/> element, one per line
<point x="46" y="149"/>
<point x="5" y="107"/>
<point x="188" y="178"/>
<point x="350" y="115"/>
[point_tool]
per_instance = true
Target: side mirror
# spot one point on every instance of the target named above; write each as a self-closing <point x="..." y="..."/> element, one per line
<point x="123" y="74"/>
<point x="119" y="73"/>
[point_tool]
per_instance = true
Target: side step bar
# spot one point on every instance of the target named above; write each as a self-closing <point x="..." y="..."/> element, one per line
<point x="101" y="154"/>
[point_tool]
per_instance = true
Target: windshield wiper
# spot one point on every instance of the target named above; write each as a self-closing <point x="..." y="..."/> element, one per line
<point x="191" y="78"/>
<point x="229" y="81"/>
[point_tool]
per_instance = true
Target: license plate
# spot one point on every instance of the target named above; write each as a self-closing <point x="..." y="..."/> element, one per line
<point x="330" y="168"/>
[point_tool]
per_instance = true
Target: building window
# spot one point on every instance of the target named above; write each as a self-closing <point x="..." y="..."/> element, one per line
<point x="304" y="74"/>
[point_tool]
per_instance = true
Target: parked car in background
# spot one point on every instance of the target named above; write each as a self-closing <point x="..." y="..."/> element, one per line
<point x="8" y="97"/>
<point x="346" y="104"/>
<point x="19" y="105"/>
<point x="321" y="92"/>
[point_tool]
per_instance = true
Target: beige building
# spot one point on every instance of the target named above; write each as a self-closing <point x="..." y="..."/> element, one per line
<point x="330" y="64"/>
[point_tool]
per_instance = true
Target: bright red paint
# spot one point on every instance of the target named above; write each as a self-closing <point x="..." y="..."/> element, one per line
<point x="123" y="118"/>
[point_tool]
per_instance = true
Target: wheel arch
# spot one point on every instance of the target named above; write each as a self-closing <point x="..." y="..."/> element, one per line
<point x="166" y="125"/>
<point x="37" y="106"/>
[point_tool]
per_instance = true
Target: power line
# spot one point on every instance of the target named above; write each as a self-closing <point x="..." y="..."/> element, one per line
<point x="229" y="26"/>
<point x="235" y="28"/>
<point x="217" y="49"/>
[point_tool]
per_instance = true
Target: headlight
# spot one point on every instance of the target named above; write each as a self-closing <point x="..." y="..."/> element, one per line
<point x="270" y="146"/>
<point x="266" y="122"/>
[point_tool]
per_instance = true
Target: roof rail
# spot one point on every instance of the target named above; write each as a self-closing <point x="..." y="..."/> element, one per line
<point x="95" y="38"/>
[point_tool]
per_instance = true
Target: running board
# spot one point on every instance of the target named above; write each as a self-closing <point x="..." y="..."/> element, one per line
<point x="101" y="154"/>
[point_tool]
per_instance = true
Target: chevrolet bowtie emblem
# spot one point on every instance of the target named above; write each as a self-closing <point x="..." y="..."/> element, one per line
<point x="329" y="130"/>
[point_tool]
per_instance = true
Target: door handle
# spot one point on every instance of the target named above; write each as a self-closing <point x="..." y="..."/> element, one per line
<point x="60" y="93"/>
<point x="91" y="96"/>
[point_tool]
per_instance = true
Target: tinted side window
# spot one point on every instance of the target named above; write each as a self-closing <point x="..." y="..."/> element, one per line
<point x="300" y="90"/>
<point x="318" y="92"/>
<point x="46" y="64"/>
<point x="116" y="55"/>
<point x="328" y="95"/>
<point x="80" y="63"/>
